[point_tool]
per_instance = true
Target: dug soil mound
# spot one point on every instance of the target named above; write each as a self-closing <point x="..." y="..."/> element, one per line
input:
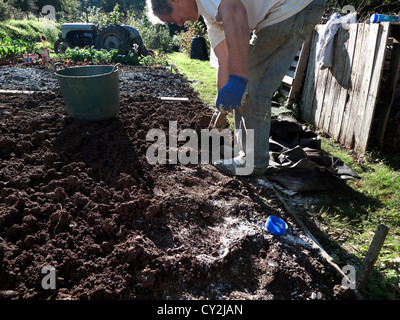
<point x="82" y="198"/>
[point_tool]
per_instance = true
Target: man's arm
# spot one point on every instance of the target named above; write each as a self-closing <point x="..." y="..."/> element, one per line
<point x="237" y="35"/>
<point x="221" y="52"/>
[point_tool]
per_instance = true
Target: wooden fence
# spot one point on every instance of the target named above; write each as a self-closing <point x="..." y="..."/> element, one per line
<point x="341" y="100"/>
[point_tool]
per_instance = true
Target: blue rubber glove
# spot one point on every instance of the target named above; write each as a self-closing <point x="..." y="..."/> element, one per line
<point x="232" y="93"/>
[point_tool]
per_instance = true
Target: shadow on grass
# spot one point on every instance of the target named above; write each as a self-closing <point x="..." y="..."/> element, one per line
<point x="392" y="158"/>
<point x="338" y="216"/>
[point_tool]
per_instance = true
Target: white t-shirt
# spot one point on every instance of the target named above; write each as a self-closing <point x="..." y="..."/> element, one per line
<point x="260" y="13"/>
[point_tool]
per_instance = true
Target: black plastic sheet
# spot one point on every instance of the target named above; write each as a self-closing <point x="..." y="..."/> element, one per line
<point x="297" y="162"/>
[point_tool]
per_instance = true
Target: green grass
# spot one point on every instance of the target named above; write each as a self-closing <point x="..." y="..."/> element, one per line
<point x="344" y="220"/>
<point x="352" y="214"/>
<point x="202" y="76"/>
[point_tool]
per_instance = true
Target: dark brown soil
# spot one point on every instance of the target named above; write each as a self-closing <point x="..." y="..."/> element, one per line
<point x="82" y="198"/>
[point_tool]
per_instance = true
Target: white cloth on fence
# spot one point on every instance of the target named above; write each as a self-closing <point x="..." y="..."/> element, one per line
<point x="325" y="43"/>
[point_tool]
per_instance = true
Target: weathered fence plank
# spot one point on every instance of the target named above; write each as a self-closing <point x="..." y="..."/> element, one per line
<point x="344" y="82"/>
<point x="362" y="85"/>
<point x="375" y="85"/>
<point x="341" y="100"/>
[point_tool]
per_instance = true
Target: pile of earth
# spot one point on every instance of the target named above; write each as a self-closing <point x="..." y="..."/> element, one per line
<point x="82" y="198"/>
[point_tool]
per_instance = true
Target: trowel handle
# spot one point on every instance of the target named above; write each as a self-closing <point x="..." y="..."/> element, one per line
<point x="59" y="64"/>
<point x="221" y="109"/>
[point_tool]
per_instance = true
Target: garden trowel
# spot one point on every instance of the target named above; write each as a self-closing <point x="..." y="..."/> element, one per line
<point x="218" y="119"/>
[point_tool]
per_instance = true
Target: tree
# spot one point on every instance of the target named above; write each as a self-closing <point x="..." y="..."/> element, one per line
<point x="4" y="11"/>
<point x="61" y="6"/>
<point x="137" y="5"/>
<point x="24" y="5"/>
<point x="366" y="7"/>
<point x="124" y="5"/>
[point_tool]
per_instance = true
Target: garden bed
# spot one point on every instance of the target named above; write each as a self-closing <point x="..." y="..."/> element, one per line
<point x="82" y="198"/>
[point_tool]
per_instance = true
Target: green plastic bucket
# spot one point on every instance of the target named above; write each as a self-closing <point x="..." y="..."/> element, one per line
<point x="91" y="93"/>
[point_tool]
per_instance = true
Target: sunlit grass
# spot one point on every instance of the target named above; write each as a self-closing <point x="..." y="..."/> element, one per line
<point x="202" y="76"/>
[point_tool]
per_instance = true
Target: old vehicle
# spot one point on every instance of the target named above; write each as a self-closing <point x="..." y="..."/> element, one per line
<point x="119" y="37"/>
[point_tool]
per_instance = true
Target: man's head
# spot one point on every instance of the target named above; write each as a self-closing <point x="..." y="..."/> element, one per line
<point x="172" y="11"/>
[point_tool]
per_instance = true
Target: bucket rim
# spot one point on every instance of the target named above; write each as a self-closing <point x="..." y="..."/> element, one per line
<point x="115" y="68"/>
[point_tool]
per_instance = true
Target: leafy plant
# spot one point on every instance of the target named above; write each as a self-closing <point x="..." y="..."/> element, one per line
<point x="154" y="60"/>
<point x="90" y="55"/>
<point x="14" y="48"/>
<point x="6" y="10"/>
<point x="115" y="15"/>
<point x="8" y="48"/>
<point x="155" y="37"/>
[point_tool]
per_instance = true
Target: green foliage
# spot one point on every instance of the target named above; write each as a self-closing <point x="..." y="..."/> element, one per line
<point x="92" y="56"/>
<point x="155" y="37"/>
<point x="94" y="15"/>
<point x="50" y="30"/>
<point x="192" y="29"/>
<point x="24" y="5"/>
<point x="154" y="60"/>
<point x="365" y="8"/>
<point x="27" y="36"/>
<point x="9" y="48"/>
<point x="5" y="11"/>
<point x="16" y="48"/>
<point x="98" y="16"/>
<point x="68" y="9"/>
<point x="125" y="6"/>
<point x="115" y="15"/>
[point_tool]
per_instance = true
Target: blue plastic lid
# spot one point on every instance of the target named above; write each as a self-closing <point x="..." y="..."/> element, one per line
<point x="374" y="18"/>
<point x="276" y="225"/>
